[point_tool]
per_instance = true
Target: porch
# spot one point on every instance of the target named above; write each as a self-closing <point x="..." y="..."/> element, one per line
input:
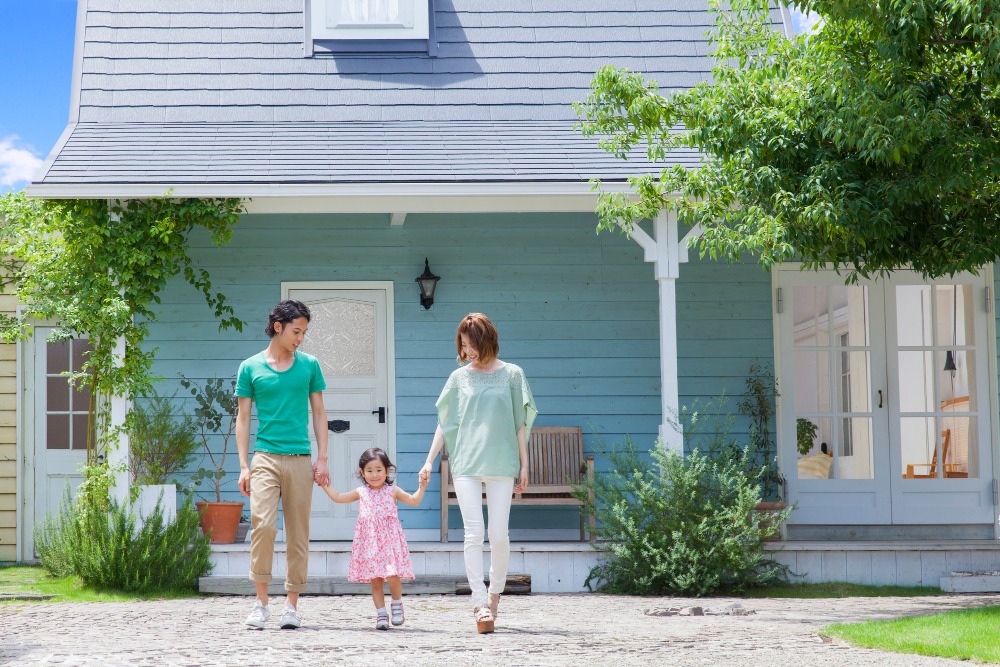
<point x="553" y="567"/>
<point x="562" y="567"/>
<point x="885" y="562"/>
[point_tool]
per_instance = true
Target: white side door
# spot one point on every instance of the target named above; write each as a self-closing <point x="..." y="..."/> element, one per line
<point x="832" y="376"/>
<point x="351" y="335"/>
<point x="60" y="424"/>
<point x="940" y="421"/>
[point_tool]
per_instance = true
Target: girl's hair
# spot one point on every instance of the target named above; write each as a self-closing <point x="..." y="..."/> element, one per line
<point x="482" y="335"/>
<point x="376" y="454"/>
<point x="285" y="312"/>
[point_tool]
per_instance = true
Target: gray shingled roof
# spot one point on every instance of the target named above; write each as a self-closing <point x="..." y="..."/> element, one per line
<point x="351" y="152"/>
<point x="213" y="91"/>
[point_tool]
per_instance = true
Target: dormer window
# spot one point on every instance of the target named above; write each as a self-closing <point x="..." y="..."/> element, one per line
<point x="345" y="25"/>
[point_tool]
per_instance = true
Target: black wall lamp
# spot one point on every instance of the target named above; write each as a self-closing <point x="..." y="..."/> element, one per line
<point x="428" y="283"/>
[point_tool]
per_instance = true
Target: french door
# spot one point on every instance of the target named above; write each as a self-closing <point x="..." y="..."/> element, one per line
<point x="884" y="406"/>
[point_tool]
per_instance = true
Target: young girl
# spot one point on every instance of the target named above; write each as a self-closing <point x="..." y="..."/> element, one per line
<point x="380" y="552"/>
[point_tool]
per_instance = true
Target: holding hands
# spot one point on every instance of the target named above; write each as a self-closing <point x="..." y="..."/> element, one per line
<point x="321" y="473"/>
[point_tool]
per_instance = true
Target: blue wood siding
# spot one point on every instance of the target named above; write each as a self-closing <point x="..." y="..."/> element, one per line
<point x="578" y="311"/>
<point x="724" y="324"/>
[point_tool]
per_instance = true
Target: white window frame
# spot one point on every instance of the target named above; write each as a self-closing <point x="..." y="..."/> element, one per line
<point x="326" y="22"/>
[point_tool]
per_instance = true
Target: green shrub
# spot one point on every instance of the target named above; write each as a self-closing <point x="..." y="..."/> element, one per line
<point x="675" y="525"/>
<point x="53" y="538"/>
<point x="160" y="445"/>
<point x="109" y="550"/>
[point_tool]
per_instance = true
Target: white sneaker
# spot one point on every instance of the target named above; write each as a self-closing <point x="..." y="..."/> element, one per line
<point x="397" y="613"/>
<point x="290" y="619"/>
<point x="258" y="616"/>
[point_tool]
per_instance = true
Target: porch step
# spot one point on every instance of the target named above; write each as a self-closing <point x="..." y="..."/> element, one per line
<point x="971" y="581"/>
<point x="429" y="584"/>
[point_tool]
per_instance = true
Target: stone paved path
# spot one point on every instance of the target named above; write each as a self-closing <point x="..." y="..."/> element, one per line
<point x="542" y="629"/>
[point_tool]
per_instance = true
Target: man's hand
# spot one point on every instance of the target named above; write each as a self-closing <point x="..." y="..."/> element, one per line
<point x="244" y="481"/>
<point x="321" y="474"/>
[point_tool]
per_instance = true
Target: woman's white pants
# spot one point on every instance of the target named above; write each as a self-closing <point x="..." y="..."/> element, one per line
<point x="469" y="491"/>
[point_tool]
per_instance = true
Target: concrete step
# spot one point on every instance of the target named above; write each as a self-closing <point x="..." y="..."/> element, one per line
<point x="971" y="581"/>
<point x="517" y="584"/>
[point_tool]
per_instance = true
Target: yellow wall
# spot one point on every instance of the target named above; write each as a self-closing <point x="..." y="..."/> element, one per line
<point x="8" y="431"/>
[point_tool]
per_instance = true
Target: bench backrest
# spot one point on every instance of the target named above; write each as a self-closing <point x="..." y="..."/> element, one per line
<point x="555" y="455"/>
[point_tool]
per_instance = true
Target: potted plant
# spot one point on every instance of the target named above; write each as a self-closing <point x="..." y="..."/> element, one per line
<point x="758" y="403"/>
<point x="805" y="435"/>
<point x="160" y="446"/>
<point x="215" y="415"/>
<point x="243" y="528"/>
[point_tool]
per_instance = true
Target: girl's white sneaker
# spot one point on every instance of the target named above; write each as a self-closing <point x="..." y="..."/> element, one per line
<point x="397" y="613"/>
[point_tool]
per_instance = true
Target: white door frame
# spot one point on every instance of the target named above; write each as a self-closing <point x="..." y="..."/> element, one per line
<point x="786" y="439"/>
<point x="390" y="335"/>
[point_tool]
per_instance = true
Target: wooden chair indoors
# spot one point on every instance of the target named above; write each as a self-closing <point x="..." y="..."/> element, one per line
<point x="932" y="467"/>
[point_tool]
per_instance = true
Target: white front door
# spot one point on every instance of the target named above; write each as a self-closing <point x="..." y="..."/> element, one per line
<point x="351" y="335"/>
<point x="885" y="399"/>
<point x="61" y="415"/>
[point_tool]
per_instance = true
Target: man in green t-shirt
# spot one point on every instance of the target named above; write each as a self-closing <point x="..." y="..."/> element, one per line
<point x="285" y="384"/>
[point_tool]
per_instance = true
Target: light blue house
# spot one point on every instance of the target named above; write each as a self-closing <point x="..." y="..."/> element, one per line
<point x="368" y="135"/>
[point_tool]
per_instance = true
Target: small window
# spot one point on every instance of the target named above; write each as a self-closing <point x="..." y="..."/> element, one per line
<point x="351" y="20"/>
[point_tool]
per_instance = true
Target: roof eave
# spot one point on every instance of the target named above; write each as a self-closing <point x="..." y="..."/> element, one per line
<point x="471" y="197"/>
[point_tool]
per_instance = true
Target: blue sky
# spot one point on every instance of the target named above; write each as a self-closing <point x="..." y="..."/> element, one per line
<point x="36" y="62"/>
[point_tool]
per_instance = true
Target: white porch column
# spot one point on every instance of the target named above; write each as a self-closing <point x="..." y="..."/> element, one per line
<point x="119" y="410"/>
<point x="119" y="454"/>
<point x="663" y="251"/>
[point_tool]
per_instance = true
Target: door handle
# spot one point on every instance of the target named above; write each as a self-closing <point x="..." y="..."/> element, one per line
<point x="338" y="425"/>
<point x="880" y="398"/>
<point x="381" y="415"/>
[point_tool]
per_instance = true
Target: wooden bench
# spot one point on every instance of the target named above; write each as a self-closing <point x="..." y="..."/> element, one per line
<point x="555" y="462"/>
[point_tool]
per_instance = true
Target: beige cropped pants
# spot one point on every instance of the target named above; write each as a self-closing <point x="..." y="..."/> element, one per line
<point x="289" y="479"/>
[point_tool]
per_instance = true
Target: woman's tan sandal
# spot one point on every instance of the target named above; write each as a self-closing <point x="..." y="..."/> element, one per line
<point x="484" y="620"/>
<point x="494" y="605"/>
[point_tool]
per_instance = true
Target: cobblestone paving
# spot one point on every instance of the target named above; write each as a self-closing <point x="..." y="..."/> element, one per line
<point x="549" y="629"/>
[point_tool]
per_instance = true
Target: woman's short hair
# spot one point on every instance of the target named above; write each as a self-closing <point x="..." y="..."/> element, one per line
<point x="482" y="335"/>
<point x="285" y="312"/>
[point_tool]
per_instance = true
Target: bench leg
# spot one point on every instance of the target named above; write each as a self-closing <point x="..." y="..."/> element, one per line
<point x="444" y="518"/>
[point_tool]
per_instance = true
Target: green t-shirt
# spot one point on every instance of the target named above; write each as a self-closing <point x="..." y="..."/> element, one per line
<point x="282" y="400"/>
<point x="480" y="415"/>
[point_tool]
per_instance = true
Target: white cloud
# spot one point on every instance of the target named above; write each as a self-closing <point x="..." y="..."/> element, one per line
<point x="17" y="165"/>
<point x="804" y="23"/>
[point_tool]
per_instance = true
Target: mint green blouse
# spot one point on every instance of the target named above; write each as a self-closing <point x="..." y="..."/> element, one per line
<point x="480" y="415"/>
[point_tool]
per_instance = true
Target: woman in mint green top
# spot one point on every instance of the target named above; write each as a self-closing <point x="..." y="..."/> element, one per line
<point x="485" y="413"/>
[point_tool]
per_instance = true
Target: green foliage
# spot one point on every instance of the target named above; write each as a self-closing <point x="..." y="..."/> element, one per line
<point x="869" y="145"/>
<point x="758" y="403"/>
<point x="673" y="525"/>
<point x="97" y="269"/>
<point x="98" y="480"/>
<point x="108" y="550"/>
<point x="160" y="445"/>
<point x="53" y="542"/>
<point x="805" y="435"/>
<point x="215" y="415"/>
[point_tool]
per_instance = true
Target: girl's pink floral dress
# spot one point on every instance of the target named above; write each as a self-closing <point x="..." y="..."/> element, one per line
<point x="380" y="549"/>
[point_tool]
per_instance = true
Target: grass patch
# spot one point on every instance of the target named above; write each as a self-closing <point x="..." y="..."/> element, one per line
<point x="839" y="590"/>
<point x="18" y="583"/>
<point x="964" y="634"/>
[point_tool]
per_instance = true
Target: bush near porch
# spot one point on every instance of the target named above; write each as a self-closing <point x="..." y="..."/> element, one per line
<point x="681" y="526"/>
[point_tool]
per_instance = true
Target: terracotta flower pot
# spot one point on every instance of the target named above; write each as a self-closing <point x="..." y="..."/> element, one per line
<point x="220" y="520"/>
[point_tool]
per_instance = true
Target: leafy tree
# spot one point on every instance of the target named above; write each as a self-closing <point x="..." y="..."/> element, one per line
<point x="96" y="268"/>
<point x="870" y="145"/>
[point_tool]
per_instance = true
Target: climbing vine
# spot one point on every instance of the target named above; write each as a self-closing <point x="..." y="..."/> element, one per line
<point x="96" y="268"/>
